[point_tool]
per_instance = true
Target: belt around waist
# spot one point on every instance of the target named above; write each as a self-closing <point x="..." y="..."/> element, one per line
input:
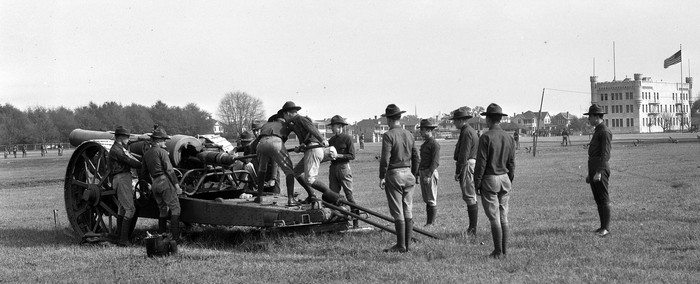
<point x="156" y="176"/>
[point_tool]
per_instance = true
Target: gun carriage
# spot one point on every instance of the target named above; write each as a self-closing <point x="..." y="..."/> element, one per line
<point x="214" y="193"/>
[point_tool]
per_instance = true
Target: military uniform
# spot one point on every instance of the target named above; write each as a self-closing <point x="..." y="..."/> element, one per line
<point x="398" y="167"/>
<point x="493" y="175"/>
<point x="121" y="161"/>
<point x="427" y="169"/>
<point x="272" y="154"/>
<point x="465" y="159"/>
<point x="598" y="158"/>
<point x="160" y="170"/>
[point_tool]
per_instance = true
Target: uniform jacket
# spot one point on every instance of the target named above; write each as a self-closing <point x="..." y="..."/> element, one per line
<point x="398" y="151"/>
<point x="344" y="145"/>
<point x="429" y="155"/>
<point x="599" y="149"/>
<point x="496" y="155"/>
<point x="121" y="160"/>
<point x="157" y="162"/>
<point x="305" y="130"/>
<point x="466" y="147"/>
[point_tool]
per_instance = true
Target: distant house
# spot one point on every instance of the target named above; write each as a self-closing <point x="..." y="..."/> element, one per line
<point x="218" y="128"/>
<point x="561" y="120"/>
<point x="374" y="128"/>
<point x="528" y="120"/>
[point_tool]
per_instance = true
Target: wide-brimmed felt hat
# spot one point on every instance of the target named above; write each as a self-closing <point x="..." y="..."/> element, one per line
<point x="337" y="119"/>
<point x="159" y="134"/>
<point x="247" y="136"/>
<point x="595" y="109"/>
<point x="494" y="109"/>
<point x="425" y="123"/>
<point x="288" y="106"/>
<point x="392" y="110"/>
<point x="461" y="113"/>
<point x="121" y="131"/>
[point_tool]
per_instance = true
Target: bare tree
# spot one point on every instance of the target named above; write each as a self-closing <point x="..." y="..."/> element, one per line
<point x="667" y="121"/>
<point x="238" y="110"/>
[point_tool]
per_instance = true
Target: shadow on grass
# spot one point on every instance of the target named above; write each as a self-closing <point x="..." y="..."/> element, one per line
<point x="31" y="237"/>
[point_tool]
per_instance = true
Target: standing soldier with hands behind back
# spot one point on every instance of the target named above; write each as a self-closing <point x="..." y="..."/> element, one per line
<point x="164" y="185"/>
<point x="428" y="174"/>
<point x="465" y="158"/>
<point x="598" y="167"/>
<point x="398" y="167"/>
<point x="121" y="161"/>
<point x="493" y="175"/>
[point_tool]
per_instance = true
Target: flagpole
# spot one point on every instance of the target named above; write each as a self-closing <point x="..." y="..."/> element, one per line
<point x="681" y="49"/>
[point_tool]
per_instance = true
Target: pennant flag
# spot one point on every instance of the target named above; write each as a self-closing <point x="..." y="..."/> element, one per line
<point x="675" y="58"/>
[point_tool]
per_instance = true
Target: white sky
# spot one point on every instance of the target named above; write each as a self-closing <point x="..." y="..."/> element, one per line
<point x="336" y="57"/>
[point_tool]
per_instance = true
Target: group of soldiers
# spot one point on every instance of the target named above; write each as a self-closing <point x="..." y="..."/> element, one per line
<point x="44" y="150"/>
<point x="485" y="168"/>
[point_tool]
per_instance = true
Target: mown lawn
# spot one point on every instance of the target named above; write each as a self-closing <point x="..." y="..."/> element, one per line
<point x="654" y="232"/>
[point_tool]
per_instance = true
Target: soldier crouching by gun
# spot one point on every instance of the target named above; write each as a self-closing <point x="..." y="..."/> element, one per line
<point x="164" y="185"/>
<point x="121" y="161"/>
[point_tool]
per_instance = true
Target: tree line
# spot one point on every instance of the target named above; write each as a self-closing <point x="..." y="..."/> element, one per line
<point x="51" y="125"/>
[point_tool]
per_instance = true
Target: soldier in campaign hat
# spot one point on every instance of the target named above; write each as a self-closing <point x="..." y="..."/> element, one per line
<point x="164" y="185"/>
<point x="398" y="167"/>
<point x="465" y="160"/>
<point x="311" y="141"/>
<point x="340" y="174"/>
<point x="493" y="176"/>
<point x="428" y="175"/>
<point x="121" y="161"/>
<point x="598" y="167"/>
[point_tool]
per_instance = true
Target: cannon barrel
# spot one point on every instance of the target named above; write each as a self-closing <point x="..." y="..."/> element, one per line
<point x="180" y="147"/>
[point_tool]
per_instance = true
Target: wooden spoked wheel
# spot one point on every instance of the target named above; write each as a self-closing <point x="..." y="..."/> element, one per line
<point x="91" y="203"/>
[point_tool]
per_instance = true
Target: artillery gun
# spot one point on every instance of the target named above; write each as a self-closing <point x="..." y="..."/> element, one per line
<point x="215" y="194"/>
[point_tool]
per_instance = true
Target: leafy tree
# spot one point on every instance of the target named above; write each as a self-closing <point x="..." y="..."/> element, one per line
<point x="64" y="121"/>
<point x="41" y="127"/>
<point x="237" y="110"/>
<point x="14" y="125"/>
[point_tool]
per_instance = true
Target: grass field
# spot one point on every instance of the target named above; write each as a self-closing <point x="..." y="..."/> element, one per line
<point x="655" y="229"/>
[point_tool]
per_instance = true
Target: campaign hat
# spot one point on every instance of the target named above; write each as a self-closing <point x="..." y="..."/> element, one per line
<point x="337" y="119"/>
<point x="392" y="110"/>
<point x="461" y="113"/>
<point x="121" y="131"/>
<point x="425" y="123"/>
<point x="289" y="106"/>
<point x="247" y="136"/>
<point x="159" y="134"/>
<point x="595" y="109"/>
<point x="494" y="109"/>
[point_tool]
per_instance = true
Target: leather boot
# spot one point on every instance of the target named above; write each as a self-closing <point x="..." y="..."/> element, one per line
<point x="261" y="186"/>
<point x="504" y="236"/>
<point x="429" y="210"/>
<point x="473" y="211"/>
<point x="309" y="191"/>
<point x="320" y="186"/>
<point x="120" y="220"/>
<point x="409" y="232"/>
<point x="400" y="246"/>
<point x="162" y="225"/>
<point x="175" y="227"/>
<point x="290" y="190"/>
<point x="497" y="240"/>
<point x="124" y="234"/>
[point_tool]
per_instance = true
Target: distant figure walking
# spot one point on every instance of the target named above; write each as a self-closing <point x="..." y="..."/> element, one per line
<point x="60" y="149"/>
<point x="6" y="152"/>
<point x="565" y="137"/>
<point x="24" y="151"/>
<point x="14" y="150"/>
<point x="516" y="137"/>
<point x="42" y="148"/>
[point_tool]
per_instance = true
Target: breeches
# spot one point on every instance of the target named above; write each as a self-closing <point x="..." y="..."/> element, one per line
<point x="399" y="185"/>
<point x="466" y="183"/>
<point x="494" y="196"/>
<point x="309" y="165"/>
<point x="125" y="194"/>
<point x="429" y="186"/>
<point x="166" y="196"/>
<point x="271" y="149"/>
<point x="340" y="177"/>
<point x="600" y="188"/>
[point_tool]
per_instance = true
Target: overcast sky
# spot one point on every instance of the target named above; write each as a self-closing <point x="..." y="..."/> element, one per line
<point x="337" y="57"/>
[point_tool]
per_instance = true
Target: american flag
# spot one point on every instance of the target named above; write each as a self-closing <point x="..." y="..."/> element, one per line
<point x="675" y="58"/>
